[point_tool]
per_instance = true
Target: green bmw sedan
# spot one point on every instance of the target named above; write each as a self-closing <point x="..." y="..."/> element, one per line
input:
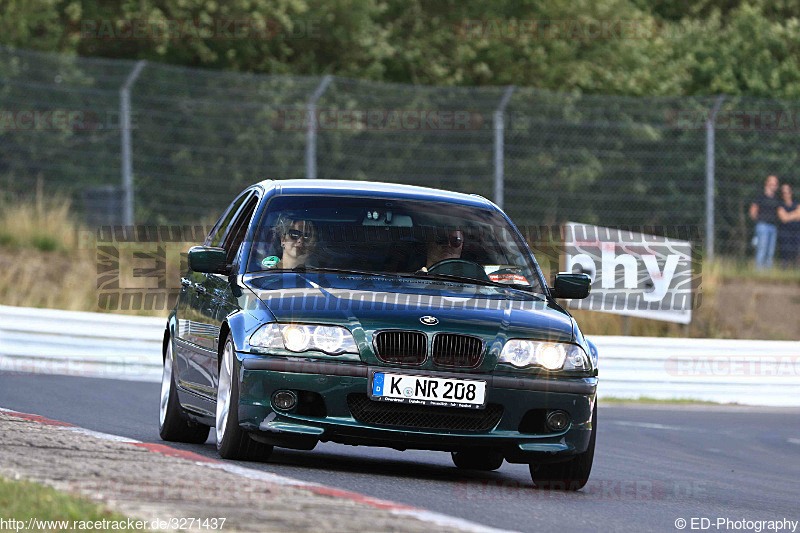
<point x="382" y="315"/>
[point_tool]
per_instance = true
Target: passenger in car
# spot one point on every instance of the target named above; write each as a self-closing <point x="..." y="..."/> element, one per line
<point x="298" y="240"/>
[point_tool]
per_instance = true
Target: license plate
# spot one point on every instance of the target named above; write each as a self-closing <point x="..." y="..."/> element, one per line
<point x="428" y="390"/>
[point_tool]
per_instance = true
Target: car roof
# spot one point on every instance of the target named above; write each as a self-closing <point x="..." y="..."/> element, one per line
<point x="374" y="188"/>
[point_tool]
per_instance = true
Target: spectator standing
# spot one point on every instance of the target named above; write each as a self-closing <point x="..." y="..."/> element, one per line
<point x="764" y="211"/>
<point x="789" y="230"/>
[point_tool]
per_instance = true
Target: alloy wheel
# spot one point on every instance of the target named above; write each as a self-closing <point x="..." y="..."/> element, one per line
<point x="224" y="391"/>
<point x="166" y="385"/>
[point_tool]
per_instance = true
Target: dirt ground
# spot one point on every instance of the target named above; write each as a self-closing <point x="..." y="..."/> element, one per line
<point x="747" y="309"/>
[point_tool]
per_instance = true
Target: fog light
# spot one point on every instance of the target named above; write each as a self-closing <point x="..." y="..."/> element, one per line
<point x="557" y="420"/>
<point x="284" y="400"/>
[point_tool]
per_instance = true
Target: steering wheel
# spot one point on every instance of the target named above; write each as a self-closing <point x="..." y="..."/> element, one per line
<point x="459" y="267"/>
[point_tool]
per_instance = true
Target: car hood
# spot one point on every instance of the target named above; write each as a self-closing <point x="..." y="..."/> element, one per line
<point x="366" y="304"/>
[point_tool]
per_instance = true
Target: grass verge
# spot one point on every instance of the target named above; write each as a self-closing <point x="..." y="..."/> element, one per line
<point x="728" y="269"/>
<point x="45" y="224"/>
<point x="25" y="501"/>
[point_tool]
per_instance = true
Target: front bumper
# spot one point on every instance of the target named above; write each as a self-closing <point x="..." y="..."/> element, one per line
<point x="262" y="376"/>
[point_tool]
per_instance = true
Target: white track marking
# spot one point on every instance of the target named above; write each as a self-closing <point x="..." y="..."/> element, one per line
<point x="99" y="435"/>
<point x="249" y="473"/>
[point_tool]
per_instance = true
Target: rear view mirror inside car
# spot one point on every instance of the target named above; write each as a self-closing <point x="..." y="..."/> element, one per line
<point x="386" y="218"/>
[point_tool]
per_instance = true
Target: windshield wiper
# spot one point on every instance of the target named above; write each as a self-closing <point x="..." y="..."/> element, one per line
<point x="415" y="275"/>
<point x="337" y="271"/>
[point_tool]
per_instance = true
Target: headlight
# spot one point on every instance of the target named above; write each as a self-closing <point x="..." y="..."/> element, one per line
<point x="267" y="336"/>
<point x="330" y="339"/>
<point x="305" y="337"/>
<point x="549" y="355"/>
<point x="296" y="338"/>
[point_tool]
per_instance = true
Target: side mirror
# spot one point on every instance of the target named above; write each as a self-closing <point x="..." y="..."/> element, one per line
<point x="571" y="286"/>
<point x="208" y="259"/>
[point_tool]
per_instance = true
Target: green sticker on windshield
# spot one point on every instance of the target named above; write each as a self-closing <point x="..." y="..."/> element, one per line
<point x="270" y="261"/>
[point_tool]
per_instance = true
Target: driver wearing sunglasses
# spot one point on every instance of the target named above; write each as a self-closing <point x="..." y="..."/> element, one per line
<point x="298" y="240"/>
<point x="444" y="244"/>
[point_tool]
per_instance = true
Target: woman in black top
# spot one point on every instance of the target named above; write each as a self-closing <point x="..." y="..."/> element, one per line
<point x="789" y="229"/>
<point x="764" y="211"/>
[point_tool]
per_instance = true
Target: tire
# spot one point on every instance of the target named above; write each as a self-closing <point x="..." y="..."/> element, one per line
<point x="485" y="460"/>
<point x="173" y="424"/>
<point x="569" y="475"/>
<point x="232" y="441"/>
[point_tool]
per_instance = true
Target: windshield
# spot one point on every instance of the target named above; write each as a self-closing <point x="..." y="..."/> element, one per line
<point x="394" y="237"/>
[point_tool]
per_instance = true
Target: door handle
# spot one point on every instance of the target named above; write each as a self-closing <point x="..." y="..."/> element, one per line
<point x="199" y="288"/>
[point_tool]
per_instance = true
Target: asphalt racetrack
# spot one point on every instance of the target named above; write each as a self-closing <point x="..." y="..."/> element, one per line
<point x="654" y="464"/>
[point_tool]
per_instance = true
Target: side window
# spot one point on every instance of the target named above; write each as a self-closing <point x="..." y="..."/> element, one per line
<point x="238" y="229"/>
<point x="215" y="237"/>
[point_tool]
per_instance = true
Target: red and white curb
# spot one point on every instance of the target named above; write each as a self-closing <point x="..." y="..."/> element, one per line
<point x="399" y="509"/>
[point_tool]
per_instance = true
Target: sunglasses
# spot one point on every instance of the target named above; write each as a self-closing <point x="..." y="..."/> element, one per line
<point x="454" y="241"/>
<point x="296" y="235"/>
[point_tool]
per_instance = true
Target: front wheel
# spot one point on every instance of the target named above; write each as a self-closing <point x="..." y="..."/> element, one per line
<point x="173" y="424"/>
<point x="232" y="441"/>
<point x="569" y="475"/>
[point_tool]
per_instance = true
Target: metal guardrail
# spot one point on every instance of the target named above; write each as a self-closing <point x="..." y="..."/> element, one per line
<point x="52" y="341"/>
<point x="751" y="372"/>
<point x="128" y="347"/>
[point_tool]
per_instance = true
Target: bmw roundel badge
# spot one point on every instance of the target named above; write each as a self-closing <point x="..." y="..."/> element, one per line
<point x="429" y="320"/>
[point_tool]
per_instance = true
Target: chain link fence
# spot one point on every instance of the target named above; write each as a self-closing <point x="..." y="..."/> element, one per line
<point x="198" y="137"/>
